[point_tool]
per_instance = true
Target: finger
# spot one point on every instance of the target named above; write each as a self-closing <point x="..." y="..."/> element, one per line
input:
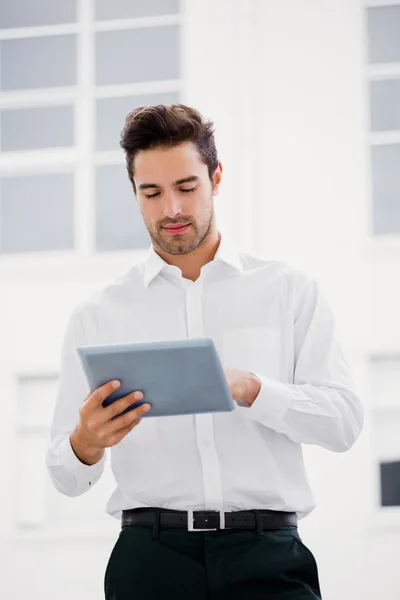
<point x="125" y="420"/>
<point x="117" y="407"/>
<point x="97" y="397"/>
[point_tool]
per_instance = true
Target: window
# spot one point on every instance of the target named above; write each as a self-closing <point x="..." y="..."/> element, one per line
<point x="383" y="27"/>
<point x="43" y="69"/>
<point x="20" y="13"/>
<point x="37" y="213"/>
<point x="386" y="188"/>
<point x="137" y="55"/>
<point x="119" y="224"/>
<point x="62" y="112"/>
<point x="385" y="425"/>
<point x="35" y="127"/>
<point x="385" y="104"/>
<point x="383" y="34"/>
<point x="390" y="483"/>
<point x="111" y="113"/>
<point x="129" y="9"/>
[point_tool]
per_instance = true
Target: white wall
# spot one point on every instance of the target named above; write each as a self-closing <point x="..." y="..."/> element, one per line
<point x="292" y="115"/>
<point x="284" y="82"/>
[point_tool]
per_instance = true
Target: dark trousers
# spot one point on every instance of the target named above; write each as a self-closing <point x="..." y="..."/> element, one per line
<point x="176" y="564"/>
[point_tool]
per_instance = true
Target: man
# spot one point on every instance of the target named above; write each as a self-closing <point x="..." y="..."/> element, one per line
<point x="241" y="473"/>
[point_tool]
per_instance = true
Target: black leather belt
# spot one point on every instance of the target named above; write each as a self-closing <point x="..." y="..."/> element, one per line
<point x="208" y="520"/>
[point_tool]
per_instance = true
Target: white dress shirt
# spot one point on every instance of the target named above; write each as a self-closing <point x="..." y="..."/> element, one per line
<point x="264" y="317"/>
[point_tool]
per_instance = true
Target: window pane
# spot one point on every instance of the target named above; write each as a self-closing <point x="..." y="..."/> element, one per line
<point x="121" y="9"/>
<point x="119" y="223"/>
<point x="39" y="127"/>
<point x="36" y="213"/>
<point x="136" y="55"/>
<point x="20" y="13"/>
<point x="384" y="34"/>
<point x="36" y="398"/>
<point x="385" y="381"/>
<point x="38" y="62"/>
<point x="390" y="483"/>
<point x="385" y="104"/>
<point x="111" y="113"/>
<point x="386" y="188"/>
<point x="385" y="437"/>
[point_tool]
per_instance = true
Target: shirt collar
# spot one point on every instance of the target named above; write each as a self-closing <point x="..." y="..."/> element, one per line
<point x="154" y="264"/>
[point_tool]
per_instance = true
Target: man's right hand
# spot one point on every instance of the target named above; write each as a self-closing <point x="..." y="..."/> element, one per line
<point x="97" y="429"/>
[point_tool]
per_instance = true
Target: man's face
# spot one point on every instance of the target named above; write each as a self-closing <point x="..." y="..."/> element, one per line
<point x="173" y="187"/>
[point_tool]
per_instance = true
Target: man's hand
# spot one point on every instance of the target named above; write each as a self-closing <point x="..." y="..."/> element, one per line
<point x="244" y="386"/>
<point x="100" y="426"/>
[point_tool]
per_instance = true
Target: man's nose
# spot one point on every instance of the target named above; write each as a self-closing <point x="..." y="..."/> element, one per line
<point x="172" y="207"/>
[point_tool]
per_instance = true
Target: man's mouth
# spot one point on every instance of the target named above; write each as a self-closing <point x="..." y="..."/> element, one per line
<point x="175" y="229"/>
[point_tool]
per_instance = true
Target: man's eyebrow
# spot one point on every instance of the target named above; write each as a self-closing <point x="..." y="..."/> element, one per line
<point x="187" y="180"/>
<point x="192" y="178"/>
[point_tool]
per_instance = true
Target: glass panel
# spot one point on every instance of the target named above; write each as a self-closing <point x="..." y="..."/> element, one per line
<point x="385" y="104"/>
<point x="386" y="188"/>
<point x="20" y="13"/>
<point x="36" y="213"/>
<point x="111" y="113"/>
<point x="122" y="9"/>
<point x="51" y="63"/>
<point x="135" y="55"/>
<point x="38" y="127"/>
<point x="390" y="483"/>
<point x="119" y="223"/>
<point x="384" y="34"/>
<point x="36" y="398"/>
<point x="385" y="381"/>
<point x="385" y="437"/>
<point x="385" y="444"/>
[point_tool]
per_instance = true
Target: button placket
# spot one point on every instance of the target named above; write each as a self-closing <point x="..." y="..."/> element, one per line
<point x="204" y="423"/>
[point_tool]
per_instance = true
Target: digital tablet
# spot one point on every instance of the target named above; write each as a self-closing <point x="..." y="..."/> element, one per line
<point x="177" y="377"/>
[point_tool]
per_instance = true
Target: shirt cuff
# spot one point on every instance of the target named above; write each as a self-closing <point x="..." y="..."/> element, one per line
<point x="83" y="474"/>
<point x="272" y="403"/>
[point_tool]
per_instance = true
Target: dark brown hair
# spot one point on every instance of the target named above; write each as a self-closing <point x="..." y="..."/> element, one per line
<point x="165" y="126"/>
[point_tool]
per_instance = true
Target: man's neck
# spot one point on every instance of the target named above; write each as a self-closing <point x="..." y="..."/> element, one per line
<point x="191" y="264"/>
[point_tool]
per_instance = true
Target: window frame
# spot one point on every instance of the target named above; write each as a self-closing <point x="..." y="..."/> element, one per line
<point x="381" y="242"/>
<point x="83" y="156"/>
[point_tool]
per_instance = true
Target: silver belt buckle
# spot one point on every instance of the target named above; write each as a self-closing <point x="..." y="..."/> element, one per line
<point x="190" y="521"/>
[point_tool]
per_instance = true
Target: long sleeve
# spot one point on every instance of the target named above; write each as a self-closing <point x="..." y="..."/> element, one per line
<point x="321" y="406"/>
<point x="68" y="474"/>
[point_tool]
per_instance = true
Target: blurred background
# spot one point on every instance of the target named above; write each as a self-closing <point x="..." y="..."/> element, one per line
<point x="305" y="96"/>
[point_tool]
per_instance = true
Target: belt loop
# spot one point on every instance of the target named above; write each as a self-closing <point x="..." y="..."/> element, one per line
<point x="156" y="527"/>
<point x="259" y="526"/>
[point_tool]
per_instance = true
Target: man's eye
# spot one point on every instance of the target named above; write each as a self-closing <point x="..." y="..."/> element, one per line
<point x="181" y="190"/>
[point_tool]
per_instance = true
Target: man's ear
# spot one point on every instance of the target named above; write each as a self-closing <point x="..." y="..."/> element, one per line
<point x="217" y="177"/>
